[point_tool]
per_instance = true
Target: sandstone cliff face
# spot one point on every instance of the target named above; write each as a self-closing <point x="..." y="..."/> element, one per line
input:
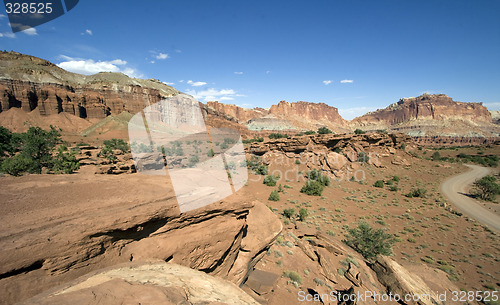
<point x="320" y="112"/>
<point x="438" y="107"/>
<point x="241" y="115"/>
<point x="31" y="83"/>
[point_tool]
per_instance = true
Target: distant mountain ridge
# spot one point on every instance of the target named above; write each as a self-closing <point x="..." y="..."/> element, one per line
<point x="31" y="83"/>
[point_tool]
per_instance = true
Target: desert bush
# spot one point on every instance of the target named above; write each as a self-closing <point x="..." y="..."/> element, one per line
<point x="418" y="192"/>
<point x="277" y="136"/>
<point x="359" y="131"/>
<point x="64" y="161"/>
<point x="303" y="213"/>
<point x="312" y="188"/>
<point x="289" y="213"/>
<point x="310" y="132"/>
<point x="35" y="148"/>
<point x="293" y="275"/>
<point x="259" y="139"/>
<point x="436" y="156"/>
<point x="274" y="196"/>
<point x="487" y="188"/>
<point x="363" y="157"/>
<point x="379" y="183"/>
<point x="17" y="165"/>
<point x="318" y="176"/>
<point x="270" y="180"/>
<point x="324" y="130"/>
<point x="369" y="242"/>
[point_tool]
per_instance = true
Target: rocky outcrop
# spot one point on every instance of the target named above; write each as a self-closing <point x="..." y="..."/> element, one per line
<point x="456" y="141"/>
<point x="135" y="218"/>
<point x="242" y="115"/>
<point x="425" y="107"/>
<point x="31" y="83"/>
<point x="320" y="113"/>
<point x="155" y="283"/>
<point x="285" y="116"/>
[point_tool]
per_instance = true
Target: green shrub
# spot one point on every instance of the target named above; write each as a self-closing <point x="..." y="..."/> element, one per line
<point x="277" y="136"/>
<point x="271" y="180"/>
<point x="318" y="176"/>
<point x="117" y="144"/>
<point x="324" y="130"/>
<point x="17" y="165"/>
<point x="369" y="242"/>
<point x="312" y="188"/>
<point x="289" y="213"/>
<point x="419" y="192"/>
<point x="303" y="213"/>
<point x="363" y="157"/>
<point x="379" y="183"/>
<point x="297" y="161"/>
<point x="193" y="160"/>
<point x="359" y="131"/>
<point x="64" y="161"/>
<point x="35" y="148"/>
<point x="293" y="275"/>
<point x="396" y="179"/>
<point x="274" y="196"/>
<point x="436" y="156"/>
<point x="487" y="188"/>
<point x="310" y="132"/>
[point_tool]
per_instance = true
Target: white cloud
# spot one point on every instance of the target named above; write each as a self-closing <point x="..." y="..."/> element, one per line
<point x="8" y="35"/>
<point x="88" y="32"/>
<point x="351" y="113"/>
<point x="30" y="32"/>
<point x="238" y="73"/>
<point x="346" y="81"/>
<point x="162" y="56"/>
<point x="196" y="84"/>
<point x="170" y="84"/>
<point x="89" y="66"/>
<point x="327" y="82"/>
<point x="2" y="16"/>
<point x="181" y="81"/>
<point x="213" y="94"/>
<point x="268" y="72"/>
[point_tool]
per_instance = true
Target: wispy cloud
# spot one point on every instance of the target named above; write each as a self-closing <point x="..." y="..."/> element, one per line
<point x="212" y="94"/>
<point x="2" y="16"/>
<point x="162" y="56"/>
<point x="88" y="32"/>
<point x="170" y="84"/>
<point x="351" y="113"/>
<point x="268" y="72"/>
<point x="196" y="84"/>
<point x="238" y="73"/>
<point x="90" y="66"/>
<point x="327" y="82"/>
<point x="8" y="35"/>
<point x="346" y="81"/>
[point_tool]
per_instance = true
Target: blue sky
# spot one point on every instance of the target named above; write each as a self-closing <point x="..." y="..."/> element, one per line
<point x="355" y="55"/>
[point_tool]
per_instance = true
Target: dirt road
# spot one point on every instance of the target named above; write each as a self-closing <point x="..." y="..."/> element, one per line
<point x="454" y="189"/>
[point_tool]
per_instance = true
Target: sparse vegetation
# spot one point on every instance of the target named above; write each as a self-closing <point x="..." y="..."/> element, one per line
<point x="324" y="130"/>
<point x="274" y="196"/>
<point x="369" y="242"/>
<point x="289" y="213"/>
<point x="487" y="188"/>
<point x="315" y="184"/>
<point x="277" y="136"/>
<point x="293" y="275"/>
<point x="379" y="183"/>
<point x="33" y="150"/>
<point x="418" y="192"/>
<point x="270" y="180"/>
<point x="359" y="131"/>
<point x="303" y="213"/>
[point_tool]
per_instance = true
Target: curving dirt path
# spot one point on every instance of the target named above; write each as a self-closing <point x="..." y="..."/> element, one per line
<point x="454" y="189"/>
